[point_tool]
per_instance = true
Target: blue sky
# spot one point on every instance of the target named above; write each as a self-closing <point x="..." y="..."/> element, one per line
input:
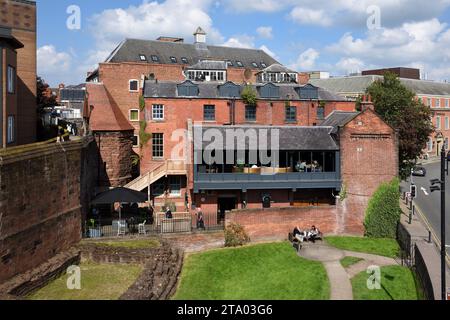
<point x="340" y="36"/>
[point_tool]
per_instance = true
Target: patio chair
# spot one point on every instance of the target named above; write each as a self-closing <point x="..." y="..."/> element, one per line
<point x="141" y="228"/>
<point x="121" y="228"/>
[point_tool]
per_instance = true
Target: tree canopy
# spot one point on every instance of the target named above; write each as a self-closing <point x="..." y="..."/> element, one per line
<point x="44" y="99"/>
<point x="400" y="108"/>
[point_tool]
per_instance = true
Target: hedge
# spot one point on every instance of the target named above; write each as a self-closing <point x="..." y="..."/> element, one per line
<point x="383" y="212"/>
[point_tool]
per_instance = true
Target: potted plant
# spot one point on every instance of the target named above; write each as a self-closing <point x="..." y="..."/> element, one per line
<point x="94" y="232"/>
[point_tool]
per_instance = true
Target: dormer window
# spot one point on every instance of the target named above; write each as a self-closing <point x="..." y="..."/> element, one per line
<point x="230" y="63"/>
<point x="187" y="89"/>
<point x="184" y="60"/>
<point x="254" y="64"/>
<point x="143" y="57"/>
<point x="239" y="64"/>
<point x="155" y="58"/>
<point x="173" y="60"/>
<point x="263" y="65"/>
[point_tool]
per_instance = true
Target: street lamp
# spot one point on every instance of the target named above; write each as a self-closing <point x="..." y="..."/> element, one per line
<point x="439" y="185"/>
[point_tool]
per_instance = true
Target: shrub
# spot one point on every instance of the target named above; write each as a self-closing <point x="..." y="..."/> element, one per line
<point x="235" y="236"/>
<point x="383" y="212"/>
<point x="249" y="95"/>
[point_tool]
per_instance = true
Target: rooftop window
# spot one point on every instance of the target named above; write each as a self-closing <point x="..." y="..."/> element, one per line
<point x="184" y="60"/>
<point x="173" y="60"/>
<point x="229" y="63"/>
<point x="155" y="58"/>
<point x="143" y="57"/>
<point x="254" y="64"/>
<point x="239" y="64"/>
<point x="263" y="65"/>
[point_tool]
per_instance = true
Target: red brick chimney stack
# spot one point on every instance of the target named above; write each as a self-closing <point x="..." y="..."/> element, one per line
<point x="367" y="103"/>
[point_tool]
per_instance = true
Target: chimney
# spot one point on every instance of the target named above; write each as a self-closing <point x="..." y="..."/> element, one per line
<point x="199" y="36"/>
<point x="367" y="104"/>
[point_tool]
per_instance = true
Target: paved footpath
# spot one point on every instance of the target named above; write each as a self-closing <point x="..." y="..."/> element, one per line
<point x="341" y="286"/>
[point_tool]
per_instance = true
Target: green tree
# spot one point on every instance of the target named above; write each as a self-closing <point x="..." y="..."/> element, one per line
<point x="383" y="211"/>
<point x="249" y="95"/>
<point x="398" y="106"/>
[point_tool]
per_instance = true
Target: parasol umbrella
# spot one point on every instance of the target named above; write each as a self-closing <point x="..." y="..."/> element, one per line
<point x="121" y="195"/>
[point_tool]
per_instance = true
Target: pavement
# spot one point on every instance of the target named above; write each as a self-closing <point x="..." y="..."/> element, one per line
<point x="340" y="278"/>
<point x="427" y="203"/>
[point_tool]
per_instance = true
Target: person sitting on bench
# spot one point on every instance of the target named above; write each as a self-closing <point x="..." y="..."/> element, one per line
<point x="313" y="234"/>
<point x="299" y="234"/>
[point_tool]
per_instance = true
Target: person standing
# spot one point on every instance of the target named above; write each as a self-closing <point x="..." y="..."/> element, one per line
<point x="200" y="219"/>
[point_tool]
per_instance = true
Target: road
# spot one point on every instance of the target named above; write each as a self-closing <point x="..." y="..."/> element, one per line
<point x="430" y="203"/>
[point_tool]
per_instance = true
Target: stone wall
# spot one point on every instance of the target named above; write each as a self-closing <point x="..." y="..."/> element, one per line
<point x="40" y="203"/>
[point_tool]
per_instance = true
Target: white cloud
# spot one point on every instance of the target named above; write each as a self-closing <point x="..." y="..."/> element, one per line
<point x="306" y="61"/>
<point x="269" y="52"/>
<point x="51" y="62"/>
<point x="265" y="32"/>
<point x="350" y="65"/>
<point x="240" y="41"/>
<point x="152" y="19"/>
<point x="310" y="16"/>
<point x="256" y="5"/>
<point x="424" y="44"/>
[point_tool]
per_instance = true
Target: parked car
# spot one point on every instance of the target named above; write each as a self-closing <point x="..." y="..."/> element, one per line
<point x="419" y="172"/>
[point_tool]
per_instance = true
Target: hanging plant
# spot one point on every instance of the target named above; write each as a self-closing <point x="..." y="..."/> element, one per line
<point x="141" y="102"/>
<point x="249" y="95"/>
<point x="144" y="137"/>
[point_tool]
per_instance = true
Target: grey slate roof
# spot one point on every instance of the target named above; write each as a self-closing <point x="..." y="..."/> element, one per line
<point x="290" y="138"/>
<point x="130" y="49"/>
<point x="208" y="90"/>
<point x="276" y="68"/>
<point x="209" y="65"/>
<point x="72" y="94"/>
<point x="359" y="84"/>
<point x="339" y="119"/>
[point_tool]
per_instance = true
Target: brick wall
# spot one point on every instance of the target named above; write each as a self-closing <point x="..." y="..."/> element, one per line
<point x="115" y="150"/>
<point x="276" y="223"/>
<point x="40" y="209"/>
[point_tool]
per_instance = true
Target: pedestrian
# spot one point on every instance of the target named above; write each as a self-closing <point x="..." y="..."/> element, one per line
<point x="169" y="214"/>
<point x="200" y="219"/>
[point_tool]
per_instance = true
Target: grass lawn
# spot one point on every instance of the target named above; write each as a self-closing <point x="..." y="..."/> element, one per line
<point x="349" y="261"/>
<point x="382" y="247"/>
<point x="128" y="244"/>
<point x="397" y="283"/>
<point x="98" y="282"/>
<point x="266" y="271"/>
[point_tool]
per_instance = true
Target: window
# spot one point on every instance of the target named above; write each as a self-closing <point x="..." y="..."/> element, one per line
<point x="254" y="64"/>
<point x="447" y="103"/>
<point x="250" y="113"/>
<point x="429" y="102"/>
<point x="291" y="114"/>
<point x="11" y="130"/>
<point x="188" y="89"/>
<point x="184" y="60"/>
<point x="447" y="123"/>
<point x="134" y="115"/>
<point x="438" y="123"/>
<point x="209" y="113"/>
<point x="135" y="141"/>
<point x="446" y="143"/>
<point x="155" y="58"/>
<point x="230" y="63"/>
<point x="158" y="188"/>
<point x="134" y="85"/>
<point x="438" y="103"/>
<point x="239" y="64"/>
<point x="143" y="57"/>
<point x="263" y="65"/>
<point x="157" y="112"/>
<point x="11" y="79"/>
<point x="269" y="91"/>
<point x="158" y="145"/>
<point x="221" y="76"/>
<point x="175" y="186"/>
<point x="320" y="112"/>
<point x="173" y="60"/>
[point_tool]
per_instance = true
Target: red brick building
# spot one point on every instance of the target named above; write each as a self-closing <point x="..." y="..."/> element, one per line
<point x="8" y="88"/>
<point x="20" y="17"/>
